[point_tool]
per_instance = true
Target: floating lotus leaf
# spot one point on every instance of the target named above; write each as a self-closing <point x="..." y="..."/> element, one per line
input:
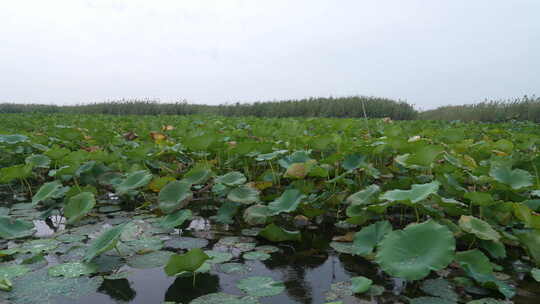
<point x="186" y="243"/>
<point x="516" y="178"/>
<point x="412" y="253"/>
<point x="187" y="262"/>
<point x="360" y="284"/>
<point x="535" y="273"/>
<point x="109" y="209"/>
<point x="133" y="181"/>
<point x="243" y="194"/>
<point x="231" y="179"/>
<point x="172" y="196"/>
<point x="256" y="215"/>
<point x="431" y="300"/>
<point x="251" y="231"/>
<point x="267" y="248"/>
<point x="150" y="260"/>
<point x="13" y="228"/>
<point x="224" y="298"/>
<point x="78" y="206"/>
<point x="256" y="255"/>
<point x="530" y="240"/>
<point x="218" y="257"/>
<point x="70" y="238"/>
<point x="38" y="288"/>
<point x="417" y="193"/>
<point x="287" y="202"/>
<point x="234" y="268"/>
<point x="10" y="272"/>
<point x="275" y="233"/>
<point x="366" y="239"/>
<point x="488" y="301"/>
<point x="478" y="227"/>
<point x="72" y="270"/>
<point x="38" y="246"/>
<point x="144" y="245"/>
<point x="347" y="248"/>
<point x="105" y="242"/>
<point x="260" y="286"/>
<point x="176" y="219"/>
<point x="47" y="191"/>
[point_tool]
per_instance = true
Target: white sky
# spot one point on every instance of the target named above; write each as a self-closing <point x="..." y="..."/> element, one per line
<point x="428" y="52"/>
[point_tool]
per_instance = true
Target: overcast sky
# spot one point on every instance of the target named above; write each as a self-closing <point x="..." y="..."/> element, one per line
<point x="428" y="52"/>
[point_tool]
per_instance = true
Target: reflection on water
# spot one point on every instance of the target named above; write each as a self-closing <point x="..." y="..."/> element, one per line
<point x="183" y="291"/>
<point x="118" y="289"/>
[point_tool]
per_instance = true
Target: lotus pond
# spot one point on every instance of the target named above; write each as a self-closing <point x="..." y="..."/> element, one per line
<point x="189" y="209"/>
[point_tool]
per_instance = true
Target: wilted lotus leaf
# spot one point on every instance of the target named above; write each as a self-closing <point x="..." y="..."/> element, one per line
<point x="256" y="215"/>
<point x="150" y="260"/>
<point x="412" y="253"/>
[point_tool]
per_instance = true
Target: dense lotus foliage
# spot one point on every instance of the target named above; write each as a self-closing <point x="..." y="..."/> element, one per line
<point x="449" y="207"/>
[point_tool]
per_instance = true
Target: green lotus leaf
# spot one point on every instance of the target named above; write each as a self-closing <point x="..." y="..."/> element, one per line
<point x="186" y="243"/>
<point x="38" y="288"/>
<point x="234" y="268"/>
<point x="494" y="248"/>
<point x="412" y="253"/>
<point x="8" y="174"/>
<point x="366" y="239"/>
<point x="287" y="202"/>
<point x="479" y="228"/>
<point x="260" y="286"/>
<point x="354" y="161"/>
<point x="360" y="284"/>
<point x="224" y="298"/>
<point x="347" y="248"/>
<point x="187" y="262"/>
<point x="38" y="246"/>
<point x="173" y="195"/>
<point x="535" y="273"/>
<point x="13" y="228"/>
<point x="267" y="248"/>
<point x="424" y="155"/>
<point x="226" y="212"/>
<point x="176" y="219"/>
<point x="480" y="198"/>
<point x="47" y="191"/>
<point x="105" y="242"/>
<point x="526" y="215"/>
<point x="231" y="179"/>
<point x="243" y="194"/>
<point x="133" y="181"/>
<point x="78" y="206"/>
<point x="477" y="266"/>
<point x="72" y="270"/>
<point x="488" y="301"/>
<point x="10" y="272"/>
<point x="218" y="257"/>
<point x="197" y="175"/>
<point x="440" y="288"/>
<point x="256" y="255"/>
<point x="364" y="197"/>
<point x="141" y="246"/>
<point x="150" y="260"/>
<point x="256" y="214"/>
<point x="417" y="193"/>
<point x="431" y="300"/>
<point x="516" y="178"/>
<point x="38" y="161"/>
<point x="530" y="240"/>
<point x="275" y="233"/>
<point x="13" y="139"/>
